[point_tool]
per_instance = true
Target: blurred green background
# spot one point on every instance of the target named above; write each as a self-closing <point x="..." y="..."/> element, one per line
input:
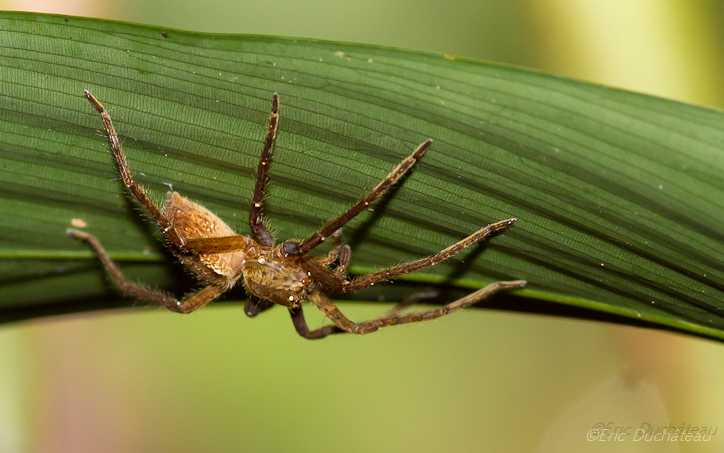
<point x="149" y="380"/>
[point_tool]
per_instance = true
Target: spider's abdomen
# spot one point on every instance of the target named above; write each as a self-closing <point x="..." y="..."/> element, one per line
<point x="268" y="280"/>
<point x="193" y="221"/>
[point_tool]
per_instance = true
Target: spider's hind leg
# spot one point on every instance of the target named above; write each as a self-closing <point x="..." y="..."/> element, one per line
<point x="395" y="317"/>
<point x="188" y="304"/>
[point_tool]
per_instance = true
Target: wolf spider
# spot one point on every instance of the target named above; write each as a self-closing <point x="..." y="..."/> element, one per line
<point x="273" y="274"/>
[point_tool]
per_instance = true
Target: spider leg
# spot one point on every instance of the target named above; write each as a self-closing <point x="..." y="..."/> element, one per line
<point x="134" y="188"/>
<point x="198" y="299"/>
<point x="256" y="223"/>
<point x="188" y="304"/>
<point x="405" y="268"/>
<point x="361" y="205"/>
<point x="216" y="245"/>
<point x="339" y="319"/>
<point x="300" y="324"/>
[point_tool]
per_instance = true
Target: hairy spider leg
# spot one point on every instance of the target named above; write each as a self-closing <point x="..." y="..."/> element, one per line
<point x="300" y="324"/>
<point x="256" y="222"/>
<point x="366" y="280"/>
<point x="394" y="176"/>
<point x="394" y="318"/>
<point x="190" y="303"/>
<point x="126" y="176"/>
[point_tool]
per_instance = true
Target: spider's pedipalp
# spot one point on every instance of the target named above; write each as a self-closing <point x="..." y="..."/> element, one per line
<point x="290" y="248"/>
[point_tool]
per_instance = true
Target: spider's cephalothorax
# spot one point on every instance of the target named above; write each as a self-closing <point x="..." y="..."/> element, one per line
<point x="273" y="274"/>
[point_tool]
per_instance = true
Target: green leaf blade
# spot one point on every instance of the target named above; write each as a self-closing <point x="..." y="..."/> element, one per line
<point x="618" y="195"/>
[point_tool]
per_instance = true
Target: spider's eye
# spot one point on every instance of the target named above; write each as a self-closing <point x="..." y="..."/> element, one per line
<point x="290" y="248"/>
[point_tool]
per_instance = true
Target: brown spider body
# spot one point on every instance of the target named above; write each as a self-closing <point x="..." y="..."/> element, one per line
<point x="273" y="274"/>
<point x="267" y="273"/>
